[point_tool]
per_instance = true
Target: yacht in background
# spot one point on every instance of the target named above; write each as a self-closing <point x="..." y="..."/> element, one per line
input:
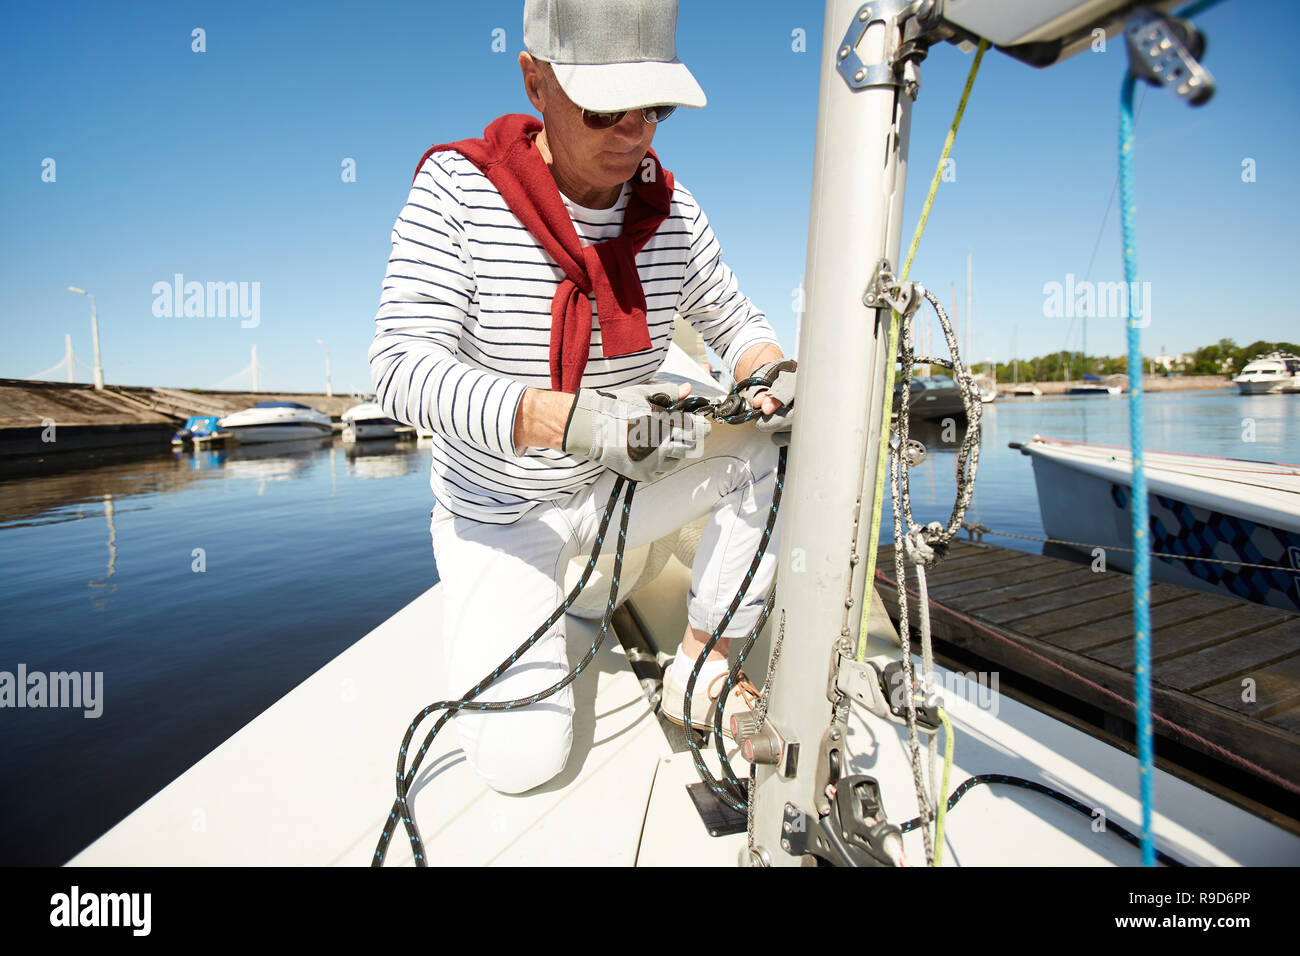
<point x="933" y="397"/>
<point x="278" y="421"/>
<point x="1026" y="390"/>
<point x="1092" y="385"/>
<point x="1270" y="374"/>
<point x="366" y="421"/>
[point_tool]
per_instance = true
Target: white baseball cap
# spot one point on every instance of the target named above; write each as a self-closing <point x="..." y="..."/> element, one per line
<point x="611" y="55"/>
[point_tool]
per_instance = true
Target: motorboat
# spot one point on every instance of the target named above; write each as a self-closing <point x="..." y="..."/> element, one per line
<point x="1092" y="385"/>
<point x="1270" y="374"/>
<point x="366" y="421"/>
<point x="1220" y="525"/>
<point x="934" y="397"/>
<point x="1026" y="390"/>
<point x="200" y="430"/>
<point x="278" y="421"/>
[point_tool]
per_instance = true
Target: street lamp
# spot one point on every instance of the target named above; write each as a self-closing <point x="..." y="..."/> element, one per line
<point x="94" y="335"/>
<point x="329" y="390"/>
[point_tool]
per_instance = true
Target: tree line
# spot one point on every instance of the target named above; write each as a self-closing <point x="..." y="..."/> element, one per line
<point x="1224" y="357"/>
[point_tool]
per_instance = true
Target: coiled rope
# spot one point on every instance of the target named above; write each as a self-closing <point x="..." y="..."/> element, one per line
<point x="731" y="410"/>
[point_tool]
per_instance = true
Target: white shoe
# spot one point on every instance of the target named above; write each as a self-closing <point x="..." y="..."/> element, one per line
<point x="744" y="696"/>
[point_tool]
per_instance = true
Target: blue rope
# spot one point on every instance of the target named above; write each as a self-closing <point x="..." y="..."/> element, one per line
<point x="1138" y="501"/>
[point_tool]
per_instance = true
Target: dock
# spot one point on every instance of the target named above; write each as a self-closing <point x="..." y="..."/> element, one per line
<point x="1226" y="670"/>
<point x="120" y="415"/>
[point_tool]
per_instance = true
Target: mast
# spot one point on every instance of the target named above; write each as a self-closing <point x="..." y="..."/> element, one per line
<point x="856" y="217"/>
<point x="970" y="316"/>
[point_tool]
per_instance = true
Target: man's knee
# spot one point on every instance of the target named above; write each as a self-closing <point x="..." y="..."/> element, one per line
<point x="517" y="751"/>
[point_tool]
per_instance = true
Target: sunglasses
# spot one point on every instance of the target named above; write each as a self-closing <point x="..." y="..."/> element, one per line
<point x="651" y="114"/>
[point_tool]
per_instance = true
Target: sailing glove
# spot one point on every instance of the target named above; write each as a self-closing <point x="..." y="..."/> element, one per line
<point x="781" y="376"/>
<point x="629" y="432"/>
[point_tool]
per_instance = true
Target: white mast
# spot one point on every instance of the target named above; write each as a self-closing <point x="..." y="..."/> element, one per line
<point x="856" y="218"/>
<point x="69" y="359"/>
<point x="970" y="316"/>
<point x="253" y="366"/>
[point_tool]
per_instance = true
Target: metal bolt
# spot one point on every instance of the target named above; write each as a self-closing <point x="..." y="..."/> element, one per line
<point x="786" y="826"/>
<point x="785" y="844"/>
<point x="835" y="733"/>
<point x="848" y="602"/>
<point x="864" y="13"/>
<point x="859" y="76"/>
<point x="823" y="807"/>
<point x="844" y="51"/>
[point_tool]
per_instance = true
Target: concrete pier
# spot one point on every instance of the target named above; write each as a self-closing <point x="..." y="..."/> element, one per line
<point x="82" y="417"/>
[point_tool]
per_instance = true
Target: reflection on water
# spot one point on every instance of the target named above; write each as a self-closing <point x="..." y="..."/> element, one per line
<point x="204" y="585"/>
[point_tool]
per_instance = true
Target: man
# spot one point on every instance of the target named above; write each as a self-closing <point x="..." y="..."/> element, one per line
<point x="529" y="298"/>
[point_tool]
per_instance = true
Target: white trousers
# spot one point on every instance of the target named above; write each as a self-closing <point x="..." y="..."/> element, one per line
<point x="500" y="582"/>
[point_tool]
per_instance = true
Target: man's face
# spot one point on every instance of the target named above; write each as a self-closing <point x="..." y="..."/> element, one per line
<point x="603" y="158"/>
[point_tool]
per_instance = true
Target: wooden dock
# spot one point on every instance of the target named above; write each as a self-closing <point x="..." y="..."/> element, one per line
<point x="1067" y="627"/>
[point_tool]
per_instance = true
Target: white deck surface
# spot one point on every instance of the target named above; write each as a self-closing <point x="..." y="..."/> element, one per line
<point x="310" y="781"/>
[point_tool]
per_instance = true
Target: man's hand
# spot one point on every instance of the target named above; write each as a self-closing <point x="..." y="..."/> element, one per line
<point x="776" y="400"/>
<point x="626" y="432"/>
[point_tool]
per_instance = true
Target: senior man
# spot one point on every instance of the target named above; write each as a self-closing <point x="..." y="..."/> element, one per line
<point x="529" y="298"/>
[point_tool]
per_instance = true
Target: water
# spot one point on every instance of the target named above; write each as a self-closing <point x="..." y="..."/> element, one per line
<point x="307" y="548"/>
<point x="1258" y="427"/>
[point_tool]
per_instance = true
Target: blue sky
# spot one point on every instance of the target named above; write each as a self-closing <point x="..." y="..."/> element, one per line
<point x="225" y="166"/>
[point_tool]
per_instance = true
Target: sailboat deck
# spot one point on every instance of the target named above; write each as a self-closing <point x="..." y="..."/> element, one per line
<point x="1226" y="670"/>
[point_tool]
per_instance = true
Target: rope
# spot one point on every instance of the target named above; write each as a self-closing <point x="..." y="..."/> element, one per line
<point x="923" y="547"/>
<point x="1138" y="506"/>
<point x="760" y="714"/>
<point x="982" y="530"/>
<point x="401" y="808"/>
<point x="1106" y="691"/>
<point x="731" y="410"/>
<point x="990" y="778"/>
<point x="883" y="456"/>
<point x="943" y="788"/>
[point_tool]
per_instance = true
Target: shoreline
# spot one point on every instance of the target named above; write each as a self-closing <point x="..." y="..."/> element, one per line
<point x="1150" y="383"/>
<point x="145" y="416"/>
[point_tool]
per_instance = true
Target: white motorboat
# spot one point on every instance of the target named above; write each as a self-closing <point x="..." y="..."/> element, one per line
<point x="366" y="421"/>
<point x="1093" y="386"/>
<point x="278" y="421"/>
<point x="1270" y="374"/>
<point x="1026" y="391"/>
<point x="1245" y="515"/>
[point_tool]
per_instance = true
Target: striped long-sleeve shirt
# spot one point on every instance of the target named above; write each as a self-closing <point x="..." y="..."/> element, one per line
<point x="464" y="326"/>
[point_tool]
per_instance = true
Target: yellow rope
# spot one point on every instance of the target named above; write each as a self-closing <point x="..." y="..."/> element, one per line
<point x="883" y="458"/>
<point x="942" y="795"/>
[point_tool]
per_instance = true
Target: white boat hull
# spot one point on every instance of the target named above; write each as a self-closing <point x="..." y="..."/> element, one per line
<point x="287" y="431"/>
<point x="1265" y="386"/>
<point x="1086" y="501"/>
